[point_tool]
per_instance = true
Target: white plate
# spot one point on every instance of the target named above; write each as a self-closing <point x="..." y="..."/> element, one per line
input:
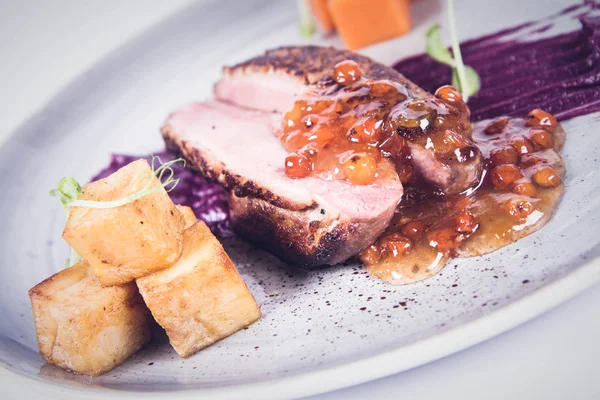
<point x="313" y="336"/>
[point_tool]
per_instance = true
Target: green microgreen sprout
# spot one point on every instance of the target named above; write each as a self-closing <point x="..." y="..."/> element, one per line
<point x="69" y="189"/>
<point x="307" y="23"/>
<point x="464" y="77"/>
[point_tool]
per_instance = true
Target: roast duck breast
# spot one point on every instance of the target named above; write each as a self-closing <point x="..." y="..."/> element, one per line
<point x="233" y="140"/>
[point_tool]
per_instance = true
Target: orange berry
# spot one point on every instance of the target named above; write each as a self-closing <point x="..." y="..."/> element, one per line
<point x="413" y="230"/>
<point x="297" y="166"/>
<point x="496" y="126"/>
<point x="367" y="131"/>
<point x="539" y="117"/>
<point x="395" y="245"/>
<point x="346" y="72"/>
<point x="371" y="255"/>
<point x="504" y="175"/>
<point x="445" y="239"/>
<point x="541" y="138"/>
<point x="450" y="95"/>
<point x="504" y="155"/>
<point x="292" y="118"/>
<point x="524" y="188"/>
<point x="465" y="222"/>
<point x="518" y="209"/>
<point x="360" y="169"/>
<point x="382" y="89"/>
<point x="522" y="145"/>
<point x="321" y="135"/>
<point x="546" y="177"/>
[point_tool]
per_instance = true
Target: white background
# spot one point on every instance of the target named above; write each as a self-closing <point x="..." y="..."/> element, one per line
<point x="46" y="44"/>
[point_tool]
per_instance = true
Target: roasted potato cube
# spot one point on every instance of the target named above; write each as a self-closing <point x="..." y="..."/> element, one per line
<point x="133" y="240"/>
<point x="200" y="299"/>
<point x="85" y="327"/>
<point x="188" y="215"/>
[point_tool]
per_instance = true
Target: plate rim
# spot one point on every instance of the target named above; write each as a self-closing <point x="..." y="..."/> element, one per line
<point x="320" y="379"/>
<point x="323" y="380"/>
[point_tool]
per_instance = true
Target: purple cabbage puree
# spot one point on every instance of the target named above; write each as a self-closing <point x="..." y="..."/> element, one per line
<point x="207" y="199"/>
<point x="559" y="74"/>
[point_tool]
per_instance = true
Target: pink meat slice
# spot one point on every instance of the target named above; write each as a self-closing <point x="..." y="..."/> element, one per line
<point x="271" y="91"/>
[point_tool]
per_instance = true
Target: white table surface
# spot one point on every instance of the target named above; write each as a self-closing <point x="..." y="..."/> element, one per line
<point x="45" y="44"/>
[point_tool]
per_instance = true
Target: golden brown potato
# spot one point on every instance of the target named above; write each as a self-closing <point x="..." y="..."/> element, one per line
<point x="129" y="241"/>
<point x="84" y="327"/>
<point x="188" y="215"/>
<point x="200" y="299"/>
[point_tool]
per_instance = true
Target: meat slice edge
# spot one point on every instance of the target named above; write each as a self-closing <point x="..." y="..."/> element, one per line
<point x="452" y="178"/>
<point x="277" y="78"/>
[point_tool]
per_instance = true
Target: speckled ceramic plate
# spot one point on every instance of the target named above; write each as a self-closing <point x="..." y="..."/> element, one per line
<point x="320" y="330"/>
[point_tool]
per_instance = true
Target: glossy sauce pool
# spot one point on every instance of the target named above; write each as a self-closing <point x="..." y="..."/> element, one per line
<point x="369" y="131"/>
<point x="520" y="189"/>
<point x="360" y="129"/>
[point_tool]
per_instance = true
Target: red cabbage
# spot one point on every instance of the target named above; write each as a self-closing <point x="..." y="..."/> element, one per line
<point x="207" y="199"/>
<point x="559" y="74"/>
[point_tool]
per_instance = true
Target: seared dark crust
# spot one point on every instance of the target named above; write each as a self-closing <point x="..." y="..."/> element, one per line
<point x="287" y="235"/>
<point x="240" y="185"/>
<point x="314" y="64"/>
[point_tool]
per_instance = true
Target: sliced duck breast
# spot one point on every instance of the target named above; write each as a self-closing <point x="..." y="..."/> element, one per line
<point x="308" y="221"/>
<point x="312" y="220"/>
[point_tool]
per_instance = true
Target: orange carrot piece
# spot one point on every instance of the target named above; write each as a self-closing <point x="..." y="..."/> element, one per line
<point x="321" y="12"/>
<point x="363" y="22"/>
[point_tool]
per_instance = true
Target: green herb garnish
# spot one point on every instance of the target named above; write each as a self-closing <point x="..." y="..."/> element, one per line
<point x="69" y="189"/>
<point x="307" y="24"/>
<point x="464" y="77"/>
